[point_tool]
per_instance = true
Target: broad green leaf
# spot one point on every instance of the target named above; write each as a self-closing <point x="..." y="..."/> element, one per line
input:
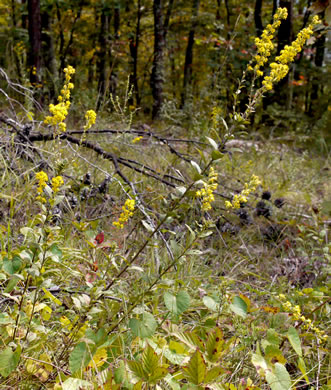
<point x="9" y="361"/>
<point x="5" y="319"/>
<point x="12" y="266"/>
<point x="210" y="303"/>
<point x="195" y="371"/>
<point x="279" y="379"/>
<point x="216" y="155"/>
<point x="143" y="327"/>
<point x="80" y="357"/>
<point x="177" y="304"/>
<point x="294" y="339"/>
<point x="239" y="306"/>
<point x="273" y="353"/>
<point x="76" y="384"/>
<point x="214" y="345"/>
<point x="259" y="363"/>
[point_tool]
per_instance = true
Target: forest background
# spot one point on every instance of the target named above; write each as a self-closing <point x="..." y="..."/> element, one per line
<point x="171" y="229"/>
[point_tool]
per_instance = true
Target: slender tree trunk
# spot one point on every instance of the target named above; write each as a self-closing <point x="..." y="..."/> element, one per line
<point x="285" y="32"/>
<point x="157" y="77"/>
<point x="103" y="55"/>
<point x="48" y="52"/>
<point x="134" y="44"/>
<point x="34" y="39"/>
<point x="258" y="17"/>
<point x="189" y="53"/>
<point x="316" y="85"/>
<point x="113" y="60"/>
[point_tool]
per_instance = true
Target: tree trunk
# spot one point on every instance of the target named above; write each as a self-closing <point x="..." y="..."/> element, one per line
<point x="134" y="44"/>
<point x="189" y="53"/>
<point x="285" y="32"/>
<point x="157" y="77"/>
<point x="258" y="17"/>
<point x="103" y="54"/>
<point x="48" y="52"/>
<point x="34" y="39"/>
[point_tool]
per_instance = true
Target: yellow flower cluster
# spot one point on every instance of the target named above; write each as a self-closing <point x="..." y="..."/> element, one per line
<point x="207" y="193"/>
<point x="128" y="209"/>
<point x="60" y="110"/>
<point x="90" y="117"/>
<point x="279" y="69"/>
<point x="57" y="182"/>
<point x="297" y="316"/>
<point x="264" y="44"/>
<point x="242" y="197"/>
<point x="136" y="140"/>
<point x="42" y="182"/>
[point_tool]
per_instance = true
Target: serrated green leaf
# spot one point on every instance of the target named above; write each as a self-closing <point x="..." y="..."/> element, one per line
<point x="150" y="360"/>
<point x="294" y="339"/>
<point x="143" y="327"/>
<point x="213" y="373"/>
<point x="158" y="374"/>
<point x="195" y="371"/>
<point x="214" y="345"/>
<point x="239" y="306"/>
<point x="178" y="303"/>
<point x="9" y="361"/>
<point x="279" y="379"/>
<point x="137" y="369"/>
<point x="273" y="353"/>
<point x="190" y="339"/>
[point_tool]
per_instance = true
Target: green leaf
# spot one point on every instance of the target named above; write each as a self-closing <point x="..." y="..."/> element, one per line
<point x="177" y="304"/>
<point x="137" y="369"/>
<point x="216" y="155"/>
<point x="195" y="372"/>
<point x="76" y="384"/>
<point x="279" y="379"/>
<point x="9" y="361"/>
<point x="12" y="266"/>
<point x="259" y="363"/>
<point x="196" y="166"/>
<point x="294" y="339"/>
<point x="210" y="303"/>
<point x="190" y="339"/>
<point x="239" y="306"/>
<point x="80" y="357"/>
<point x="143" y="327"/>
<point x="150" y="360"/>
<point x="303" y="369"/>
<point x="213" y="373"/>
<point x="212" y="143"/>
<point x="214" y="345"/>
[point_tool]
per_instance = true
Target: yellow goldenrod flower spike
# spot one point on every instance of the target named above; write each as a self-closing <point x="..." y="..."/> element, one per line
<point x="280" y="68"/>
<point x="57" y="182"/>
<point x="42" y="179"/>
<point x="242" y="197"/>
<point x="60" y="111"/>
<point x="128" y="209"/>
<point x="207" y="192"/>
<point x="90" y="117"/>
